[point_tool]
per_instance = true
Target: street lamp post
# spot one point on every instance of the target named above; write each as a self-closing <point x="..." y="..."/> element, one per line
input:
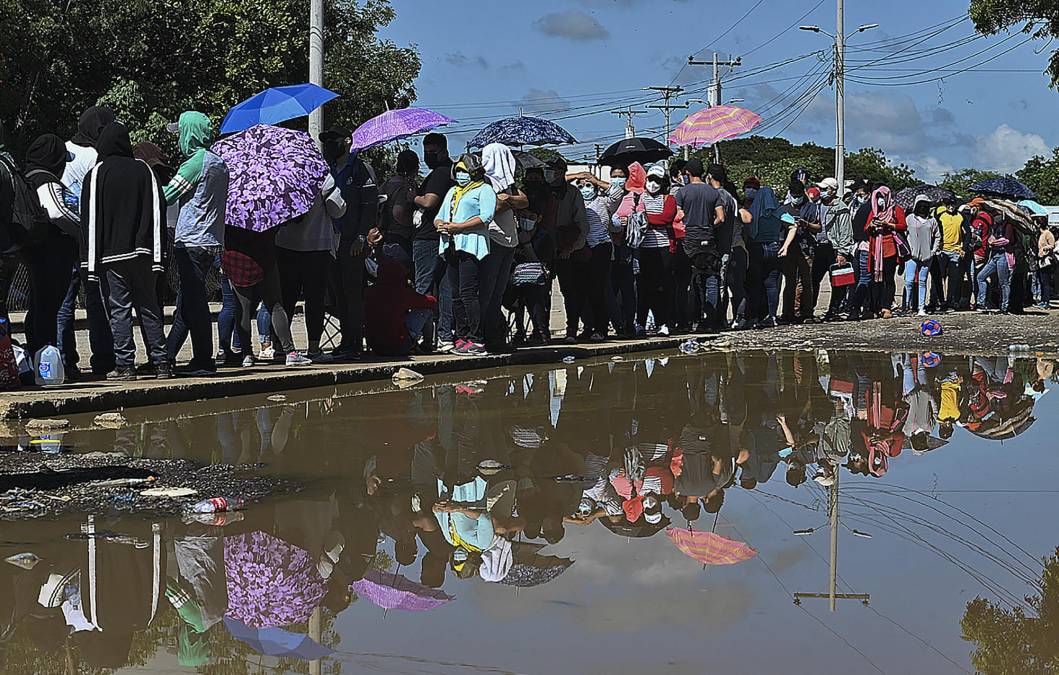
<point x="840" y="88"/>
<point x="316" y="62"/>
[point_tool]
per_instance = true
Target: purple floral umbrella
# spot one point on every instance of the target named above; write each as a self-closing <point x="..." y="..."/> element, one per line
<point x="393" y="125"/>
<point x="270" y="582"/>
<point x="275" y="175"/>
<point x="393" y="591"/>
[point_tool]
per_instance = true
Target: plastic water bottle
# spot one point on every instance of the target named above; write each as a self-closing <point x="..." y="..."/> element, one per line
<point x="1019" y="350"/>
<point x="48" y="365"/>
<point x="216" y="505"/>
<point x="690" y="346"/>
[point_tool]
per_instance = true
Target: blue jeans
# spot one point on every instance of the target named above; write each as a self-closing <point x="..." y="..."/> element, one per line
<point x="430" y="278"/>
<point x="100" y="337"/>
<point x="192" y="308"/>
<point x="916" y="272"/>
<point x="998" y="265"/>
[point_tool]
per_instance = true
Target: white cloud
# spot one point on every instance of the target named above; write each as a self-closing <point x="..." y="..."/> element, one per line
<point x="573" y="25"/>
<point x="929" y="169"/>
<point x="543" y="101"/>
<point x="1006" y="149"/>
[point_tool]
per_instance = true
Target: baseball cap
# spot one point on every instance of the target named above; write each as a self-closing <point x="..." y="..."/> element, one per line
<point x="828" y="184"/>
<point x="657" y="170"/>
<point x="653" y="518"/>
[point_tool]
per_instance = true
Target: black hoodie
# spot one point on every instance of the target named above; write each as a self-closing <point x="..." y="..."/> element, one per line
<point x="90" y="124"/>
<point x="122" y="206"/>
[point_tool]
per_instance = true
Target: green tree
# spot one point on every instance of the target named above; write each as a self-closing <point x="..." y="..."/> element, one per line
<point x="1010" y="642"/>
<point x="961" y="181"/>
<point x="152" y="59"/>
<point x="872" y="164"/>
<point x="1039" y="18"/>
<point x="1041" y="174"/>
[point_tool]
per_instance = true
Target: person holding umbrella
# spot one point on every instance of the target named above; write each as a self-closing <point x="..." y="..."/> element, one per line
<point x="463" y="221"/>
<point x="123" y="211"/>
<point x="429" y="268"/>
<point x="360" y="191"/>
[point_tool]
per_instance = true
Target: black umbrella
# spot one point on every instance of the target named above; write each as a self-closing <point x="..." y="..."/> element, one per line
<point x="641" y="529"/>
<point x="531" y="568"/>
<point x="907" y="197"/>
<point x="1004" y="187"/>
<point x="629" y="150"/>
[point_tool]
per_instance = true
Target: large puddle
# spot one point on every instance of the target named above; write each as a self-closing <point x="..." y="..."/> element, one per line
<point x="764" y="490"/>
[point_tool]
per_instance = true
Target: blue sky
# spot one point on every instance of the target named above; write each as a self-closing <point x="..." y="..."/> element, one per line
<point x="575" y="60"/>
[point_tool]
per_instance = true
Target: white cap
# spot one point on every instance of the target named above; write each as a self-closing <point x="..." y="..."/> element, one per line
<point x="657" y="170"/>
<point x="653" y="518"/>
<point x="828" y="184"/>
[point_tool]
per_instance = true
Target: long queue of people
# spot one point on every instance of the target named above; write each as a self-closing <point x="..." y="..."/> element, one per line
<point x="456" y="261"/>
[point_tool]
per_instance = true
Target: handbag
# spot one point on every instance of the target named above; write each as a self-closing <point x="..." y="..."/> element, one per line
<point x="529" y="274"/>
<point x="842" y="275"/>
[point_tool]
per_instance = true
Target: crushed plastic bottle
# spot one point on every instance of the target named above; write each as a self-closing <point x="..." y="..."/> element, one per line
<point x="216" y="505"/>
<point x="568" y="359"/>
<point x="690" y="346"/>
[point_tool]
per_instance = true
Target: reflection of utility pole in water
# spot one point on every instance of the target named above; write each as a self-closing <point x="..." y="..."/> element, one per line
<point x="315" y="633"/>
<point x="832" y="594"/>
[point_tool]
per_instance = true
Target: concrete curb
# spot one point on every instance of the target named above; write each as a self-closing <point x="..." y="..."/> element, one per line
<point x="94" y="397"/>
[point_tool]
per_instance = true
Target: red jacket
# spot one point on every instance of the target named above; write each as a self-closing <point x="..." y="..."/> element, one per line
<point x="386" y="306"/>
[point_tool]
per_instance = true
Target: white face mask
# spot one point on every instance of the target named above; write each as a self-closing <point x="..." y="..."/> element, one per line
<point x="654" y="187"/>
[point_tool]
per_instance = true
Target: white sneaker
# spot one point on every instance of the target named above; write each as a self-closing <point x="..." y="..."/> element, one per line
<point x="663" y="331"/>
<point x="922" y="312"/>
<point x="248" y="361"/>
<point x="296" y="359"/>
<point x="444" y="347"/>
<point x="267" y="354"/>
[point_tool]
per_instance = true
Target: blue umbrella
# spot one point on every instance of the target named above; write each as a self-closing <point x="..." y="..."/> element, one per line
<point x="276" y="105"/>
<point x="1004" y="187"/>
<point x="276" y="641"/>
<point x="522" y="131"/>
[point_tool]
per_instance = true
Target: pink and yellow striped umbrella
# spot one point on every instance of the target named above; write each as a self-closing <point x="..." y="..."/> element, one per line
<point x="714" y="124"/>
<point x="709" y="548"/>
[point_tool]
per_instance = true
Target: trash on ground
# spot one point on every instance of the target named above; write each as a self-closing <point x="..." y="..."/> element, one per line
<point x="48" y="424"/>
<point x="691" y="346"/>
<point x="568" y="359"/>
<point x="26" y="561"/>
<point x="169" y="492"/>
<point x="491" y="467"/>
<point x="277" y="398"/>
<point x="110" y="420"/>
<point x="109" y="537"/>
<point x="216" y="505"/>
<point x="930" y="328"/>
<point x="406" y="377"/>
<point x="617" y="358"/>
<point x="213" y="519"/>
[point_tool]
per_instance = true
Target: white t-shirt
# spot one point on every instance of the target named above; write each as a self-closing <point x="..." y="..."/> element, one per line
<point x="75" y="172"/>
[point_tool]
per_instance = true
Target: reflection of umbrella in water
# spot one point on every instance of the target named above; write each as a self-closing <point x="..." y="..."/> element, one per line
<point x="394" y="591"/>
<point x="709" y="548"/>
<point x="277" y="642"/>
<point x="641" y="529"/>
<point x="1001" y="429"/>
<point x="270" y="582"/>
<point x="275" y="176"/>
<point x="533" y="569"/>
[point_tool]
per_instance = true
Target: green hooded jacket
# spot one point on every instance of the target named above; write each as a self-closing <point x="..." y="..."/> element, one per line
<point x="196" y="134"/>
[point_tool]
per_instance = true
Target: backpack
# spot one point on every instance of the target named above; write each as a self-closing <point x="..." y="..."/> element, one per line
<point x="30" y="220"/>
<point x="637" y="227"/>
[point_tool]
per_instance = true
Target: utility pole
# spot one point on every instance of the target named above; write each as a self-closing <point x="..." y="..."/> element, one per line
<point x="666" y="108"/>
<point x="629" y="114"/>
<point x="316" y="62"/>
<point x="832" y="594"/>
<point x="840" y="87"/>
<point x="714" y="97"/>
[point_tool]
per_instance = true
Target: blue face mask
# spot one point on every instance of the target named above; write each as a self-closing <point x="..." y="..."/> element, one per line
<point x="463" y="179"/>
<point x="618" y="182"/>
<point x="588" y="192"/>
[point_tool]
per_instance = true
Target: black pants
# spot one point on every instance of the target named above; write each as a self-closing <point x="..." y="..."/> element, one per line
<point x="49" y="266"/>
<point x="598" y="284"/>
<point x="132" y="285"/>
<point x="350" y="298"/>
<point x="823" y="258"/>
<point x="463" y="272"/>
<point x="797" y="285"/>
<point x="738" y="267"/>
<point x="684" y="304"/>
<point x="8" y="267"/>
<point x="303" y="274"/>
<point x="267" y="291"/>
<point x="192" y="307"/>
<point x="621" y="297"/>
<point x="495" y="274"/>
<point x="655" y="286"/>
<point x="573" y="276"/>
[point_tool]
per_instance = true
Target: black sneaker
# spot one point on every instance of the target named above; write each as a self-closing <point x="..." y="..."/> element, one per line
<point x="193" y="369"/>
<point x="122" y="374"/>
<point x="163" y="372"/>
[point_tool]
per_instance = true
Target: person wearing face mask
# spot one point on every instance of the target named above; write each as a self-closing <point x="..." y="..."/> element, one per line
<point x="656" y="271"/>
<point x="946" y="266"/>
<point x="621" y="294"/>
<point x="798" y="254"/>
<point x="599" y="207"/>
<point x="536" y="246"/>
<point x="704" y="215"/>
<point x="565" y="217"/>
<point x="356" y="180"/>
<point x="429" y="267"/>
<point x="873" y="229"/>
<point x="999" y="263"/>
<point x="761" y="213"/>
<point x="463" y="223"/>
<point x="924" y="242"/>
<point x="499" y="164"/>
<point x="824" y="255"/>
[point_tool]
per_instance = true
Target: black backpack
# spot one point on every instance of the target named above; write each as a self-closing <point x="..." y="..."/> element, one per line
<point x="29" y="220"/>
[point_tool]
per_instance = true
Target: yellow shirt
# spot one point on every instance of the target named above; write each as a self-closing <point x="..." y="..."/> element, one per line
<point x="950" y="401"/>
<point x="951" y="234"/>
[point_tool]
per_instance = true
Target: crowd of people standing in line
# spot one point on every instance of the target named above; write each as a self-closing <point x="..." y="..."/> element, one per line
<point x="411" y="265"/>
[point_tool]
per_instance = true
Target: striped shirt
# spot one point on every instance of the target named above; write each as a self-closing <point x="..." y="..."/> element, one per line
<point x="654" y="237"/>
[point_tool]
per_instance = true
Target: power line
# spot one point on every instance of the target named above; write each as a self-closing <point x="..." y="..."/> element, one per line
<point x="786" y="30"/>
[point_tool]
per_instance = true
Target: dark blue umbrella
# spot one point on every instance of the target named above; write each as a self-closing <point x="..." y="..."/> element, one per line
<point x="1004" y="187"/>
<point x="276" y="641"/>
<point x="276" y="105"/>
<point x="522" y="131"/>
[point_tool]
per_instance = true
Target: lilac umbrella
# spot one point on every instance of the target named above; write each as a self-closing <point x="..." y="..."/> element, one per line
<point x="393" y="591"/>
<point x="275" y="176"/>
<point x="270" y="582"/>
<point x="393" y="125"/>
